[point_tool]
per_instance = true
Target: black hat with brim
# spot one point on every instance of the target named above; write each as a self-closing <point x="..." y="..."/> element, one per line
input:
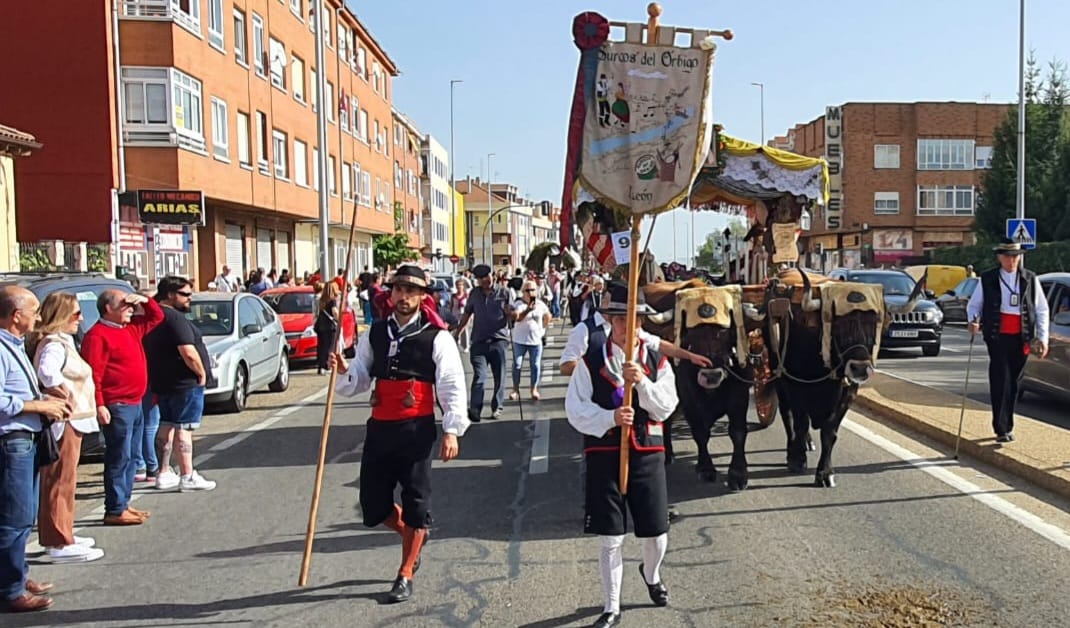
<point x="410" y="275"/>
<point x="480" y="271"/>
<point x="615" y="301"/>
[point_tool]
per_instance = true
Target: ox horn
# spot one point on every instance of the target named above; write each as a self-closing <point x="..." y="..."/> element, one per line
<point x="661" y="318"/>
<point x="915" y="296"/>
<point x="809" y="303"/>
<point x="752" y="313"/>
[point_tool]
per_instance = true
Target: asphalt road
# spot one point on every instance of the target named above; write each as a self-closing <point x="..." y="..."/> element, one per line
<point x="948" y="372"/>
<point x="906" y="538"/>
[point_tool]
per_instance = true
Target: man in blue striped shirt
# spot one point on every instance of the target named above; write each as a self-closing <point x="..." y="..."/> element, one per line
<point x="21" y="410"/>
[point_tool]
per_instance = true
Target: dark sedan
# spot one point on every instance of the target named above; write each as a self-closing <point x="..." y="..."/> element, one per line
<point x="953" y="302"/>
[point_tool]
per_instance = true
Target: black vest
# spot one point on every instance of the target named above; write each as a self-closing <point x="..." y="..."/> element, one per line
<point x="646" y="434"/>
<point x="993" y="297"/>
<point x="413" y="357"/>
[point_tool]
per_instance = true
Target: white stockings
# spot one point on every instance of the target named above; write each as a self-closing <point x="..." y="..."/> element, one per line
<point x="653" y="553"/>
<point x="612" y="563"/>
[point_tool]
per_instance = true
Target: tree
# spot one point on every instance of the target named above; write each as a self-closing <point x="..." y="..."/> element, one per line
<point x="392" y="249"/>
<point x="1047" y="158"/>
<point x="710" y="253"/>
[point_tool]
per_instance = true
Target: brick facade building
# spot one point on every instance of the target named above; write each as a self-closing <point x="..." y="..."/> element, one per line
<point x="905" y="176"/>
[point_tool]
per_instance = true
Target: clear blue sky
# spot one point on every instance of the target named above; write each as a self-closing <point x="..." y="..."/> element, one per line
<point x="518" y="64"/>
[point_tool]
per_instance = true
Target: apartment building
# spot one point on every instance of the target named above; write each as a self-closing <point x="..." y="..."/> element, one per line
<point x="408" y="198"/>
<point x="905" y="178"/>
<point x="503" y="229"/>
<point x="211" y="96"/>
<point x="437" y="219"/>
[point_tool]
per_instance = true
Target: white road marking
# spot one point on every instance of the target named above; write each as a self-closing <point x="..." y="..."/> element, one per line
<point x="546" y="373"/>
<point x="1053" y="533"/>
<point x="540" y="446"/>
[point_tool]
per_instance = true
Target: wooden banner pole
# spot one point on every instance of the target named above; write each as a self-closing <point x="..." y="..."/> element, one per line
<point x="306" y="560"/>
<point x="653" y="12"/>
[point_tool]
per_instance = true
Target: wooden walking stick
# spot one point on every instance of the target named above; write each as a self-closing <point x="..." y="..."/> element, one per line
<point x="306" y="560"/>
<point x="653" y="12"/>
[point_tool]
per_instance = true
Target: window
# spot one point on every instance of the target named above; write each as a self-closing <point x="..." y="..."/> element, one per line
<point x="397" y="175"/>
<point x="186" y="99"/>
<point x="188" y="14"/>
<point x="366" y="189"/>
<point x="239" y="38"/>
<point x="297" y="78"/>
<point x="215" y="23"/>
<point x="327" y="26"/>
<point x="886" y="203"/>
<point x="378" y="193"/>
<point x="945" y="154"/>
<point x="362" y="123"/>
<point x="397" y="135"/>
<point x="278" y="63"/>
<point x="951" y="200"/>
<point x="145" y="91"/>
<point x="220" y="134"/>
<point x="376" y="138"/>
<point x="329" y="95"/>
<point x="314" y="89"/>
<point x="316" y="169"/>
<point x="300" y="163"/>
<point x="886" y="156"/>
<point x="343" y="111"/>
<point x="244" y="155"/>
<point x="295" y="6"/>
<point x="376" y="76"/>
<point x="983" y="157"/>
<point x="259" y="55"/>
<point x="330" y="176"/>
<point x="362" y="63"/>
<point x="343" y="37"/>
<point x="347" y="193"/>
<point x="278" y="151"/>
<point x="261" y="141"/>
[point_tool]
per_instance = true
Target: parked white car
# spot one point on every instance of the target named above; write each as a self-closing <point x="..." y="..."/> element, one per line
<point x="246" y="343"/>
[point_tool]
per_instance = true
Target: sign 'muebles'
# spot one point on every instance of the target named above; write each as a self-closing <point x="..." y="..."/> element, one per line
<point x="834" y="157"/>
<point x="171" y="207"/>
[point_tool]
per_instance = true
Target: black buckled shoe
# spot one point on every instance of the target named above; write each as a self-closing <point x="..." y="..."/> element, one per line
<point x="400" y="592"/>
<point x="659" y="593"/>
<point x="606" y="619"/>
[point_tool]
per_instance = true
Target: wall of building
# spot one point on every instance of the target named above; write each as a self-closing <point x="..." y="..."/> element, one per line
<point x="66" y="96"/>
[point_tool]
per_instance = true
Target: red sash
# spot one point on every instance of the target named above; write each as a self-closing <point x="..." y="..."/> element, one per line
<point x="1010" y="323"/>
<point x="390" y="394"/>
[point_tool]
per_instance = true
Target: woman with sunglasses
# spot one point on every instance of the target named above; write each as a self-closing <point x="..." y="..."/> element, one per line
<point x="63" y="373"/>
<point x="532" y="318"/>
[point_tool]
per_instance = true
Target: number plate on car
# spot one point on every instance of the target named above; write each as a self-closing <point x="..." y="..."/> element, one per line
<point x="904" y="333"/>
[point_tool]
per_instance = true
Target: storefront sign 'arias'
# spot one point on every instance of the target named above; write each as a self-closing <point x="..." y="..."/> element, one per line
<point x="171" y="207"/>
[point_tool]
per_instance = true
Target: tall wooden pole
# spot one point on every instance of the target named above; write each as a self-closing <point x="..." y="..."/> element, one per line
<point x="653" y="12"/>
<point x="306" y="560"/>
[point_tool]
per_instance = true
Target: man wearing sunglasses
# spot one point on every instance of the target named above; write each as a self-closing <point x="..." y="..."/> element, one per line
<point x="113" y="349"/>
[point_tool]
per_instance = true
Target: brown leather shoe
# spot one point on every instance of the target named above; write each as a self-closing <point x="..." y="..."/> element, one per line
<point x="127" y="518"/>
<point x="144" y="514"/>
<point x="28" y="603"/>
<point x="37" y="588"/>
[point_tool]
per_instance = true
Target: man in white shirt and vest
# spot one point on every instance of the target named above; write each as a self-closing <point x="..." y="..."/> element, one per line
<point x="1009" y="308"/>
<point x="401" y="433"/>
<point x="593" y="404"/>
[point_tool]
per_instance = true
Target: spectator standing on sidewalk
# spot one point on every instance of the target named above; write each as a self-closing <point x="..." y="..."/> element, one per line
<point x="532" y="318"/>
<point x="490" y="334"/>
<point x="63" y="374"/>
<point x="21" y="410"/>
<point x="178" y="375"/>
<point x="328" y="316"/>
<point x="555" y="280"/>
<point x="458" y="304"/>
<point x="120" y="374"/>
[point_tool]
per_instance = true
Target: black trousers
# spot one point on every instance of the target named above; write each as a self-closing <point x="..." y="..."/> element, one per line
<point x="1006" y="359"/>
<point x="606" y="510"/>
<point x="398" y="453"/>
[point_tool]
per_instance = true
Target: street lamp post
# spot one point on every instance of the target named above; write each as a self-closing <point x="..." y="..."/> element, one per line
<point x="488" y="252"/>
<point x="321" y="138"/>
<point x="761" y="87"/>
<point x="1020" y="190"/>
<point x="453" y="179"/>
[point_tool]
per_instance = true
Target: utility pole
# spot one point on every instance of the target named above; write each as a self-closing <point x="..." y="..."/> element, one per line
<point x="489" y="255"/>
<point x="321" y="138"/>
<point x="1019" y="204"/>
<point x="453" y="180"/>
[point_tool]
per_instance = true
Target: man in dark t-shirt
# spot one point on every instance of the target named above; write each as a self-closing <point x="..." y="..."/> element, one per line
<point x="178" y="373"/>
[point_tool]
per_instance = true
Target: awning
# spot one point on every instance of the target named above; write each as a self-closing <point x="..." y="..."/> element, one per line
<point x="762" y="173"/>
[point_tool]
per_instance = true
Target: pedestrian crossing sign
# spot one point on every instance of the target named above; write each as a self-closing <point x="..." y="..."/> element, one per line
<point x="1023" y="231"/>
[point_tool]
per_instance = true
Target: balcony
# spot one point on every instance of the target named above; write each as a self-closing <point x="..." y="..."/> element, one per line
<point x="502" y="248"/>
<point x="185" y="13"/>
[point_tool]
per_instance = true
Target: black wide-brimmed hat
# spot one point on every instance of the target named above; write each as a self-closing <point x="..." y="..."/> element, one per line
<point x="480" y="271"/>
<point x="1008" y="247"/>
<point x="410" y="275"/>
<point x="615" y="301"/>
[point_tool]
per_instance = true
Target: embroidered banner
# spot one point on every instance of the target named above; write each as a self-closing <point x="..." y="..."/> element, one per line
<point x="647" y="125"/>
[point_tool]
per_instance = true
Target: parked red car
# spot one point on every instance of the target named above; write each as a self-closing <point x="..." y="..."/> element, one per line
<point x="296" y="307"/>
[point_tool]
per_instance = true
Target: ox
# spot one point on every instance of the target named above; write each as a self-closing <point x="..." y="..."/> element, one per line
<point x="824" y="348"/>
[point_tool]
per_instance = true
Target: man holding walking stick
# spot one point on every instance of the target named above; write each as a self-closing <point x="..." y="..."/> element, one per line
<point x="401" y="433"/>
<point x="1009" y="308"/>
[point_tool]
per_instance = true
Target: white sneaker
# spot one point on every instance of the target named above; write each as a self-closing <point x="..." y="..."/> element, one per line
<point x="194" y="482"/>
<point x="167" y="480"/>
<point x="74" y="554"/>
<point x="84" y="541"/>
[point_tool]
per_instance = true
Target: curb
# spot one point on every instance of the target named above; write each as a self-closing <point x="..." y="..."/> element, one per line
<point x="1021" y="458"/>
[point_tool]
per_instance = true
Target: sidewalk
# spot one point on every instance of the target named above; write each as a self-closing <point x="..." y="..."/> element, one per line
<point x="1040" y="452"/>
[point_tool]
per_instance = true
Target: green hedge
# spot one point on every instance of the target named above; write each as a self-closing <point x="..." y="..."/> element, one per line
<point x="1048" y="257"/>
